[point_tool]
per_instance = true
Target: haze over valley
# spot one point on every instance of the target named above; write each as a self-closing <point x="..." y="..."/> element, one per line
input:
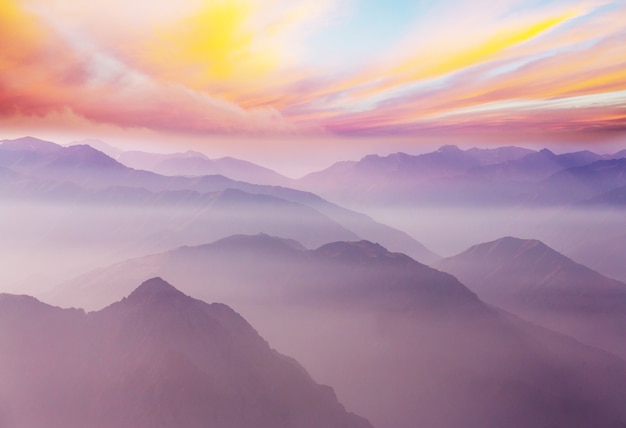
<point x="312" y="214"/>
<point x="351" y="299"/>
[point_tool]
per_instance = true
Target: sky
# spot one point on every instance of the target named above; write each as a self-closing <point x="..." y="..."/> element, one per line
<point x="314" y="78"/>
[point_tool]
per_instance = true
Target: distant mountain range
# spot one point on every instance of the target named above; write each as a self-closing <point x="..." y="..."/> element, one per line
<point x="43" y="171"/>
<point x="449" y="175"/>
<point x="157" y="358"/>
<point x="452" y="176"/>
<point x="531" y="279"/>
<point x="612" y="198"/>
<point x="193" y="163"/>
<point x="279" y="260"/>
<point x="190" y="164"/>
<point x="403" y="344"/>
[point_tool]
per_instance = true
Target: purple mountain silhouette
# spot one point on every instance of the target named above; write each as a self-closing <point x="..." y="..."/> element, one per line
<point x="402" y="343"/>
<point x="535" y="281"/>
<point x="30" y="144"/>
<point x="193" y="163"/>
<point x="387" y="177"/>
<point x="619" y="155"/>
<point x="452" y="176"/>
<point x="612" y="198"/>
<point x="536" y="166"/>
<point x="101" y="146"/>
<point x="362" y="261"/>
<point x="64" y="172"/>
<point x="158" y="358"/>
<point x="578" y="184"/>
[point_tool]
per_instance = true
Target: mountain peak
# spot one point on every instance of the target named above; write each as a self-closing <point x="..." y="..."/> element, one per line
<point x="512" y="240"/>
<point x="194" y="154"/>
<point x="527" y="267"/>
<point x="508" y="246"/>
<point x="449" y="148"/>
<point x="260" y="241"/>
<point x="155" y="287"/>
<point x="30" y="144"/>
<point x="358" y="251"/>
<point x="99" y="145"/>
<point x="546" y="152"/>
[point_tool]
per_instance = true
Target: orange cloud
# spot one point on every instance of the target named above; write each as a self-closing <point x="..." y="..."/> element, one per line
<point x="43" y="73"/>
<point x="225" y="66"/>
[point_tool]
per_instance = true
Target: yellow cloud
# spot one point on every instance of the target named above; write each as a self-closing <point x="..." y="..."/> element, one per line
<point x="216" y="44"/>
<point x="440" y="60"/>
<point x="19" y="34"/>
<point x="418" y="68"/>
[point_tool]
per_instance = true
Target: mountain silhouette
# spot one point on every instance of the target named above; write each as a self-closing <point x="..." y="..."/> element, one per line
<point x="157" y="358"/>
<point x="613" y="198"/>
<point x="83" y="175"/>
<point x="527" y="277"/>
<point x="275" y="262"/>
<point x="403" y="344"/>
<point x="580" y="183"/>
<point x="386" y="178"/>
<point x="451" y="176"/>
<point x="192" y="163"/>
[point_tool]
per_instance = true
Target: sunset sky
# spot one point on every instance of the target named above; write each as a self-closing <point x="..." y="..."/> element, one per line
<point x="303" y="73"/>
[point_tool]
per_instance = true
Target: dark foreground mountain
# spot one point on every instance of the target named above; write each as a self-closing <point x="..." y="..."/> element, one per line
<point x="402" y="344"/>
<point x="529" y="278"/>
<point x="158" y="358"/>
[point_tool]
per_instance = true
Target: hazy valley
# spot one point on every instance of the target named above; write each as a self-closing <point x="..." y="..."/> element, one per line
<point x="522" y="334"/>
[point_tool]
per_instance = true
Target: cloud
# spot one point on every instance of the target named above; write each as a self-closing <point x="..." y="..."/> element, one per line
<point x="44" y="72"/>
<point x="240" y="66"/>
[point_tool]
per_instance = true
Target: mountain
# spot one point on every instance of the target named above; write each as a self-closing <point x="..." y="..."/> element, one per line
<point x="30" y="144"/>
<point x="448" y="160"/>
<point x="223" y="259"/>
<point x="619" y="155"/>
<point x="498" y="154"/>
<point x="448" y="176"/>
<point x="82" y="165"/>
<point x="157" y="358"/>
<point x="401" y="343"/>
<point x="395" y="174"/>
<point x="83" y="175"/>
<point x="193" y="163"/>
<point x="531" y="279"/>
<point x="613" y="198"/>
<point x="150" y="221"/>
<point x="536" y="166"/>
<point x="580" y="183"/>
<point x="101" y="146"/>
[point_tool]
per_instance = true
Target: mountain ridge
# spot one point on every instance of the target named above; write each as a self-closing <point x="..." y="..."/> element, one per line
<point x="155" y="358"/>
<point x="531" y="279"/>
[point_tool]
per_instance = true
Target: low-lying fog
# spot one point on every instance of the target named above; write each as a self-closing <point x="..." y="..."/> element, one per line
<point x="47" y="243"/>
<point x="403" y="345"/>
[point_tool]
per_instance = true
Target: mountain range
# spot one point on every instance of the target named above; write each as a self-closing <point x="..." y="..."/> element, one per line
<point x="192" y="163"/>
<point x="81" y="173"/>
<point x="401" y="343"/>
<point x="157" y="358"/>
<point x="452" y="176"/>
<point x="123" y="212"/>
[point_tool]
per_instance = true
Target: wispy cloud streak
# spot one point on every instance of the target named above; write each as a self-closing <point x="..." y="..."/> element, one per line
<point x="250" y="66"/>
